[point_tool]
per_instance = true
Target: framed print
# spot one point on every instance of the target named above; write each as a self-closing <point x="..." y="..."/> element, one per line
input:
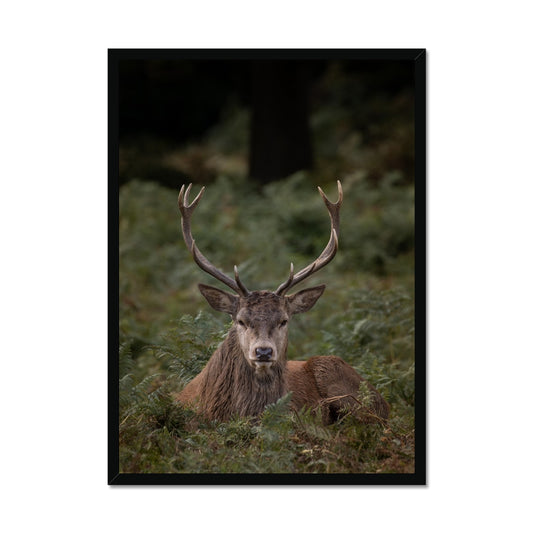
<point x="267" y="267"/>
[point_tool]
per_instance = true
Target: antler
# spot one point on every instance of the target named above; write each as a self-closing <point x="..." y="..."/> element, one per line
<point x="329" y="251"/>
<point x="187" y="209"/>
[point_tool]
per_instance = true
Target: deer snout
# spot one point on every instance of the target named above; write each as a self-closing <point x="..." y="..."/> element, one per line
<point x="263" y="354"/>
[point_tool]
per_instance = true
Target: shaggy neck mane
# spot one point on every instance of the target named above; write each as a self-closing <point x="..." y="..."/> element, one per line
<point x="231" y="385"/>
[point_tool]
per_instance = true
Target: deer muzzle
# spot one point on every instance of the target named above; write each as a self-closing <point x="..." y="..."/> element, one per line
<point x="263" y="355"/>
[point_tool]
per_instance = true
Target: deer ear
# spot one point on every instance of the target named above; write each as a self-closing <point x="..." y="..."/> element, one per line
<point x="219" y="299"/>
<point x="302" y="301"/>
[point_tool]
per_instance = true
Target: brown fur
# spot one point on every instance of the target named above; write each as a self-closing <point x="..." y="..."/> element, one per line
<point x="330" y="383"/>
<point x="249" y="370"/>
<point x="228" y="385"/>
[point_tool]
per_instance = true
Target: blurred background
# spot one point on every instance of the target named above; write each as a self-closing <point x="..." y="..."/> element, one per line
<point x="261" y="136"/>
<point x="264" y="119"/>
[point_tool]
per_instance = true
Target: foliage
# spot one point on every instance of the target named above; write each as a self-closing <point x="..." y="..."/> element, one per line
<point x="366" y="316"/>
<point x="363" y="317"/>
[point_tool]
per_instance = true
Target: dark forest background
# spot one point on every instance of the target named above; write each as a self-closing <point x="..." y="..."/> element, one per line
<point x="278" y="116"/>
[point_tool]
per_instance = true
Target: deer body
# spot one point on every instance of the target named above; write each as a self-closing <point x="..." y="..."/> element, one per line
<point x="249" y="370"/>
<point x="228" y="385"/>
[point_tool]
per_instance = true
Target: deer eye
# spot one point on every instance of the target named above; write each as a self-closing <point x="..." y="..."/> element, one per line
<point x="283" y="323"/>
<point x="241" y="323"/>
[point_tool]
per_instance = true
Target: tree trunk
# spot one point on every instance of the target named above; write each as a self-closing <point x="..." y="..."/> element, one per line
<point x="280" y="133"/>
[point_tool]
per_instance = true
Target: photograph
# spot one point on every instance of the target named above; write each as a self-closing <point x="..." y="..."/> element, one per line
<point x="267" y="266"/>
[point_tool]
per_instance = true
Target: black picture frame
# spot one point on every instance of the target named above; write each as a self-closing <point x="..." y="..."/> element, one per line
<point x="115" y="477"/>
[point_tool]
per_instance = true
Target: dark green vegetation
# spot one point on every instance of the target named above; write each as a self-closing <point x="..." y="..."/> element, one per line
<point x="168" y="332"/>
<point x="366" y="316"/>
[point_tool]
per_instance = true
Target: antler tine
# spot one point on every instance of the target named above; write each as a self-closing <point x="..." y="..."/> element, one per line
<point x="239" y="282"/>
<point x="329" y="251"/>
<point x="333" y="208"/>
<point x="287" y="284"/>
<point x="187" y="209"/>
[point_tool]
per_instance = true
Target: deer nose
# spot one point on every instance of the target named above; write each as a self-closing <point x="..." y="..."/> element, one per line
<point x="263" y="354"/>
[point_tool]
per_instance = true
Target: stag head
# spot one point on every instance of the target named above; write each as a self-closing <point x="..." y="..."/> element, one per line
<point x="261" y="318"/>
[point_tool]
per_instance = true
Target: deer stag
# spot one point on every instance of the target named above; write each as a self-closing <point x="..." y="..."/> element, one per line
<point x="249" y="370"/>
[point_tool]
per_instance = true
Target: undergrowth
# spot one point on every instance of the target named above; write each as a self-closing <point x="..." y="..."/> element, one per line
<point x="372" y="330"/>
<point x="366" y="316"/>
